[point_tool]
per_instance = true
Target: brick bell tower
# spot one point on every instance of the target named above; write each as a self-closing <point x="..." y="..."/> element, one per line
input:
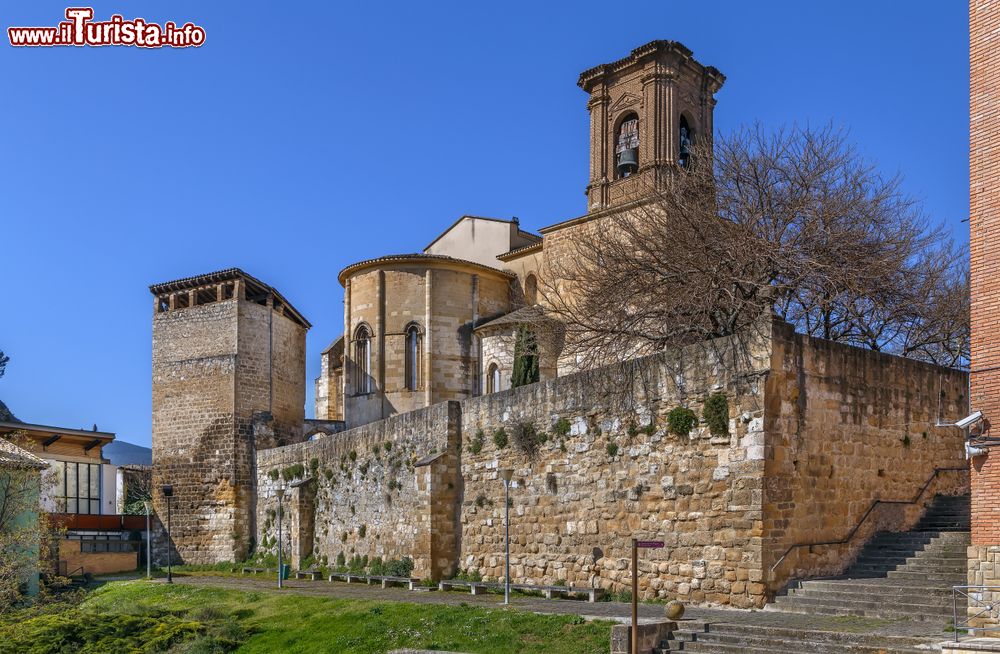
<point x="228" y="379"/>
<point x="647" y="111"/>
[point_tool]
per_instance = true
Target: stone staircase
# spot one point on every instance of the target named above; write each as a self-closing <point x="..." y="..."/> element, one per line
<point x="897" y="576"/>
<point x="758" y="639"/>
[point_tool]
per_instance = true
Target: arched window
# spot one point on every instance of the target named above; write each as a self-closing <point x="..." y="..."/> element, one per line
<point x="627" y="146"/>
<point x="531" y="289"/>
<point x="363" y="360"/>
<point x="413" y="356"/>
<point x="685" y="140"/>
<point x="493" y="378"/>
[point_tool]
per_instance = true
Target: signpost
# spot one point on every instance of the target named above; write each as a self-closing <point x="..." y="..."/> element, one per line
<point x="636" y="545"/>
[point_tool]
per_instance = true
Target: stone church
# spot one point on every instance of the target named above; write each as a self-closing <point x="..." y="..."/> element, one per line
<point x="416" y="414"/>
<point x="438" y="325"/>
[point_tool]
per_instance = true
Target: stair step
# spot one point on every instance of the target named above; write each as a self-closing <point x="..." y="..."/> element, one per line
<point x="888" y="604"/>
<point x="860" y="588"/>
<point x="943" y="597"/>
<point x="754" y="638"/>
<point x="720" y="643"/>
<point x="923" y="536"/>
<point x="882" y="570"/>
<point x="942" y="617"/>
<point x="950" y="579"/>
<point x="871" y="558"/>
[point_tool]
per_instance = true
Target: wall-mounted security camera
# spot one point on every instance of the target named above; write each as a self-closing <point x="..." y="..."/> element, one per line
<point x="970" y="420"/>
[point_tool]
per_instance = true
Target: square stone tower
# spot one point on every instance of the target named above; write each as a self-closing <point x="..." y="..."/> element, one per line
<point x="647" y="111"/>
<point x="228" y="379"/>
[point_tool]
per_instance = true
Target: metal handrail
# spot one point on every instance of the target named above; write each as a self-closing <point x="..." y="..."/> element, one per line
<point x="988" y="609"/>
<point x="871" y="508"/>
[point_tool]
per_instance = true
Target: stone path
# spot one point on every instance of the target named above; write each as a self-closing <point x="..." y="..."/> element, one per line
<point x="601" y="610"/>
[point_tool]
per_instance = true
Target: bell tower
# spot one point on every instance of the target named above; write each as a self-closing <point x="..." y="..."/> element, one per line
<point x="647" y="111"/>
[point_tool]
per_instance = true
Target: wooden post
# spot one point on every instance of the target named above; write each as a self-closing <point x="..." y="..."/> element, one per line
<point x="635" y="596"/>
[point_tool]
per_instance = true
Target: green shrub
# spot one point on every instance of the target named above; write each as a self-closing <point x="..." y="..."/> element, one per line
<point x="526" y="357"/>
<point x="353" y="456"/>
<point x="681" y="420"/>
<point x="296" y="471"/>
<point x="273" y="474"/>
<point x="476" y="444"/>
<point x="500" y="438"/>
<point x="74" y="631"/>
<point x="612" y="448"/>
<point x="716" y="414"/>
<point x="561" y="428"/>
<point x="468" y="575"/>
<point x="399" y="567"/>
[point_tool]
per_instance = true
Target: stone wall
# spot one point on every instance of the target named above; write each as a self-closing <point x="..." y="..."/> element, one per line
<point x="609" y="470"/>
<point x="816" y="432"/>
<point x="386" y="489"/>
<point x="845" y="426"/>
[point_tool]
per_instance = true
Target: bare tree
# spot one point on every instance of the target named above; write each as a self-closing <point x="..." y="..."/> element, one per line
<point x="793" y="222"/>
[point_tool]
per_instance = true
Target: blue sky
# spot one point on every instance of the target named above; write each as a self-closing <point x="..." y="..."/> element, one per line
<point x="305" y="136"/>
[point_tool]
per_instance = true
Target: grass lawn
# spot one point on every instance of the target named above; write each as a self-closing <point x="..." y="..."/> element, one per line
<point x="140" y="616"/>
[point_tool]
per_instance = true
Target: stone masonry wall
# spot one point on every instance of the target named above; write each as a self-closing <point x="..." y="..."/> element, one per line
<point x="846" y="426"/>
<point x="816" y="432"/>
<point x="617" y="473"/>
<point x="228" y="377"/>
<point x="379" y="490"/>
<point x="194" y="367"/>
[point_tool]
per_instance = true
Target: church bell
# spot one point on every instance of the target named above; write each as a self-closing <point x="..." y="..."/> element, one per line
<point x="628" y="162"/>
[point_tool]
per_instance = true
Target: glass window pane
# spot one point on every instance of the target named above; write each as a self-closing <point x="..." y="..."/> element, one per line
<point x="71" y="481"/>
<point x="95" y="482"/>
<point x="71" y="505"/>
<point x="95" y="506"/>
<point x="83" y="479"/>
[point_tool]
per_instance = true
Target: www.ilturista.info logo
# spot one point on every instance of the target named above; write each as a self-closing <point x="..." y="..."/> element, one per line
<point x="80" y="29"/>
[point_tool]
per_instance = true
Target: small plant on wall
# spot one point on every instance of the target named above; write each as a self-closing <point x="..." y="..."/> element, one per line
<point x="500" y="438"/>
<point x="716" y="414"/>
<point x="476" y="443"/>
<point x="681" y="420"/>
<point x="526" y="438"/>
<point x="612" y="449"/>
